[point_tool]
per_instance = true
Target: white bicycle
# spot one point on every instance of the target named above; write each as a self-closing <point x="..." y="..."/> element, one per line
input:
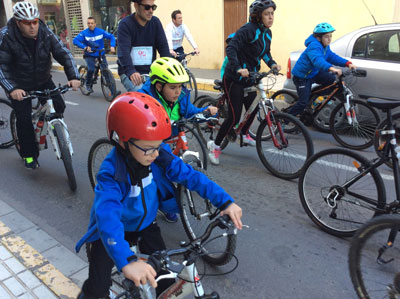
<point x="188" y="280"/>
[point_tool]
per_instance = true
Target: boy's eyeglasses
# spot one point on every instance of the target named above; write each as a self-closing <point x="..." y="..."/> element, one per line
<point x="147" y="151"/>
<point x="28" y="23"/>
<point x="147" y="7"/>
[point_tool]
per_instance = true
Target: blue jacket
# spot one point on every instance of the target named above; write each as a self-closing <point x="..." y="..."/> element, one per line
<point x="315" y="58"/>
<point x="94" y="38"/>
<point x="118" y="206"/>
<point x="186" y="108"/>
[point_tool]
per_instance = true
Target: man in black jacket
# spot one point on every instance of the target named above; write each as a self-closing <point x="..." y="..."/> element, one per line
<point x="26" y="46"/>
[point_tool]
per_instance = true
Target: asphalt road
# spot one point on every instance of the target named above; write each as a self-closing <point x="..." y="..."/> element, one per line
<point x="281" y="255"/>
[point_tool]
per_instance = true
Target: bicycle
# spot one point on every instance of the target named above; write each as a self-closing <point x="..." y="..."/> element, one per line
<point x="107" y="81"/>
<point x="6" y="139"/>
<point x="352" y="122"/>
<point x="188" y="279"/>
<point x="47" y="122"/>
<point x="340" y="190"/>
<point x="191" y="85"/>
<point x="282" y="141"/>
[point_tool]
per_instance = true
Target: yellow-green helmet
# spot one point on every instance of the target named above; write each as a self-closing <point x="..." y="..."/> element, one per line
<point x="167" y="70"/>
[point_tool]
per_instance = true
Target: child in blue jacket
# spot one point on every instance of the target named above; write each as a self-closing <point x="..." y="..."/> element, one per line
<point x="132" y="184"/>
<point x="315" y="65"/>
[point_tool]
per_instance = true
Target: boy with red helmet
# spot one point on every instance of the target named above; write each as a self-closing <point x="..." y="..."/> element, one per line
<point x="131" y="185"/>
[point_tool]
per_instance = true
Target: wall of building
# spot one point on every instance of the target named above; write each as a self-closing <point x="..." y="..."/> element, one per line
<point x="294" y="21"/>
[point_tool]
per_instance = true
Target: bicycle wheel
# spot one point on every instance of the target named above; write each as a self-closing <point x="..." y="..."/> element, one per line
<point x="97" y="153"/>
<point x="13" y="126"/>
<point x="65" y="154"/>
<point x="195" y="216"/>
<point x="356" y="136"/>
<point x="209" y="130"/>
<point x="108" y="86"/>
<point x="6" y="137"/>
<point x="83" y="73"/>
<point x="196" y="147"/>
<point x="380" y="141"/>
<point x="321" y="117"/>
<point x="288" y="158"/>
<point x="197" y="100"/>
<point x="284" y="99"/>
<point x="192" y="86"/>
<point x="374" y="262"/>
<point x="333" y="203"/>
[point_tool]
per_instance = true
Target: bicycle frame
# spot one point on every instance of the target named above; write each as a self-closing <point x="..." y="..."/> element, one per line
<point x="46" y="111"/>
<point x="264" y="103"/>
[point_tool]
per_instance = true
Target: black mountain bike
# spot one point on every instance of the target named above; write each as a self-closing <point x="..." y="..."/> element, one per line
<point x="108" y="85"/>
<point x="341" y="190"/>
<point x="335" y="109"/>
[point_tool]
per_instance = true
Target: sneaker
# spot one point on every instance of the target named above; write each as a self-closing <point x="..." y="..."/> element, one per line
<point x="214" y="152"/>
<point x="247" y="140"/>
<point x="169" y="217"/>
<point x="31" y="163"/>
<point x="89" y="90"/>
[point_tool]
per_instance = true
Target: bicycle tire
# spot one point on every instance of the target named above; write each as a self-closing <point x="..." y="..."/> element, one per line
<point x="83" y="73"/>
<point x="327" y="171"/>
<point x="198" y="99"/>
<point x="192" y="86"/>
<point x="370" y="277"/>
<point x="6" y="136"/>
<point x="356" y="137"/>
<point x="195" y="145"/>
<point x="284" y="99"/>
<point x="108" y="85"/>
<point x="65" y="154"/>
<point x="321" y="118"/>
<point x="287" y="162"/>
<point x="379" y="140"/>
<point x="97" y="153"/>
<point x="13" y="126"/>
<point x="195" y="216"/>
<point x="209" y="130"/>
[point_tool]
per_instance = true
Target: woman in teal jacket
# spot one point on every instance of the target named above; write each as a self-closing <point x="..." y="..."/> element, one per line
<point x="135" y="180"/>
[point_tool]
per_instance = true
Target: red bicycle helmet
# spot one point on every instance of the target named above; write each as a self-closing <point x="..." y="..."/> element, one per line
<point x="138" y="116"/>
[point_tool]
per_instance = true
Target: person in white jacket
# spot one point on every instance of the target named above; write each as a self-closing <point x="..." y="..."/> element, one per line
<point x="175" y="32"/>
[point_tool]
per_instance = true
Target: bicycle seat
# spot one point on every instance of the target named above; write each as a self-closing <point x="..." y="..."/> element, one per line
<point x="383" y="104"/>
<point x="218" y="85"/>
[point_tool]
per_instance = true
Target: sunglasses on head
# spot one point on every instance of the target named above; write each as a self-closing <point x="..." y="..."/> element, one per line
<point x="28" y="23"/>
<point x="147" y="7"/>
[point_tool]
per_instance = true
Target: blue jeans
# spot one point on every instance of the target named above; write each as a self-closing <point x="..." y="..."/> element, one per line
<point x="128" y="84"/>
<point x="303" y="87"/>
<point x="91" y="62"/>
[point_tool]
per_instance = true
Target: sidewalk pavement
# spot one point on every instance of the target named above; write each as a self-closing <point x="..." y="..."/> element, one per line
<point x="32" y="263"/>
<point x="204" y="77"/>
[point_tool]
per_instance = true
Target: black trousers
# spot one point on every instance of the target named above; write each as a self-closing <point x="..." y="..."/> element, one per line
<point x="235" y="100"/>
<point x="100" y="263"/>
<point x="23" y="112"/>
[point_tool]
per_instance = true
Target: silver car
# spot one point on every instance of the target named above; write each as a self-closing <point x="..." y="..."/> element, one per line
<point x="375" y="49"/>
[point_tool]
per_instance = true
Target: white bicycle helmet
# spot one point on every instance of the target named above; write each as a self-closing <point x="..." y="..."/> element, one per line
<point x="25" y="11"/>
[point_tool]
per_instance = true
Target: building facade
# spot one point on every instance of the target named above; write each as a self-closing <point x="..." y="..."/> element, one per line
<point x="210" y="21"/>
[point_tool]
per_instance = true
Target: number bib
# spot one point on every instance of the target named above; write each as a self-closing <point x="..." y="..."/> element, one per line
<point x="142" y="55"/>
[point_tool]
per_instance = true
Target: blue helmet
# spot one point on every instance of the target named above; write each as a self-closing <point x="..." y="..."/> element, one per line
<point x="323" y="28"/>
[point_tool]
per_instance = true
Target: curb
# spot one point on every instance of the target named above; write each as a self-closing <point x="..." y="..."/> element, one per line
<point x="59" y="284"/>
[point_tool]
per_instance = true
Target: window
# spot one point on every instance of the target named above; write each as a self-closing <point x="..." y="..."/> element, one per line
<point x="359" y="47"/>
<point x="379" y="44"/>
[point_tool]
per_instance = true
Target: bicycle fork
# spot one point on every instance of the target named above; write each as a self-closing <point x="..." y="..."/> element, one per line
<point x="53" y="137"/>
<point x="278" y="124"/>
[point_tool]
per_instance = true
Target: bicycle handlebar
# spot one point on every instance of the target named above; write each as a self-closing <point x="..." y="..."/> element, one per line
<point x="257" y="77"/>
<point x="355" y="73"/>
<point x="47" y="93"/>
<point x="184" y="55"/>
<point x="197" y="118"/>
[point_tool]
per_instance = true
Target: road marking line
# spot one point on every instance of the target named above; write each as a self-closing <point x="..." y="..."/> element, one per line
<point x="72" y="103"/>
<point x="59" y="284"/>
<point x="326" y="163"/>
